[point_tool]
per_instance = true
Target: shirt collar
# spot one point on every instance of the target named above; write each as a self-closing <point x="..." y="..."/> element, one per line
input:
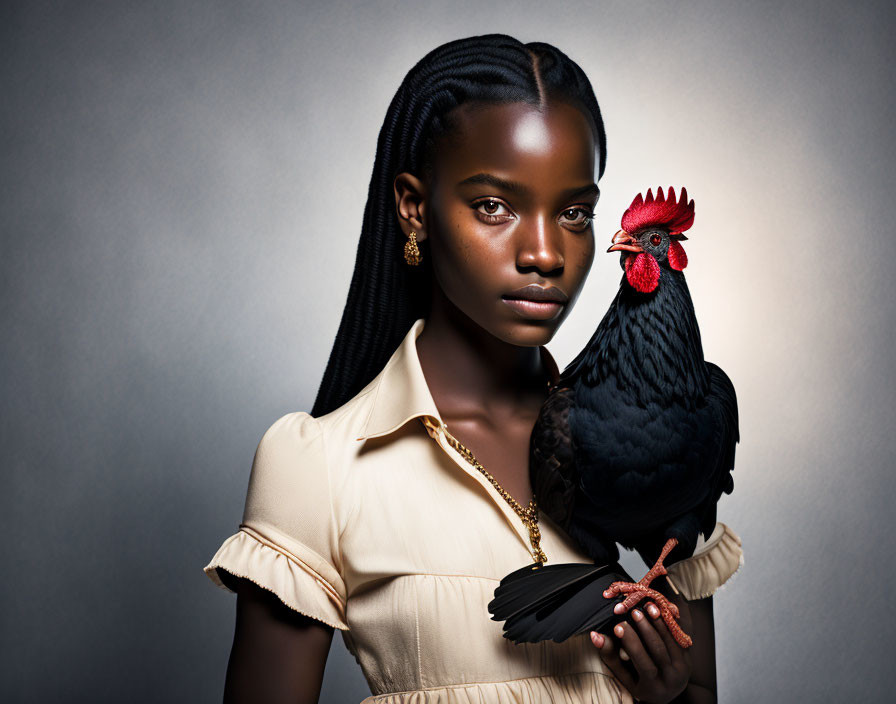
<point x="402" y="393"/>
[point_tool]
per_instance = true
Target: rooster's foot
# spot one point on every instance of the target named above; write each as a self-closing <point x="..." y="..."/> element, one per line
<point x="636" y="591"/>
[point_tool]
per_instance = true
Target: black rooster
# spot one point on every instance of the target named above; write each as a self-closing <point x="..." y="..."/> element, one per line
<point x="635" y="443"/>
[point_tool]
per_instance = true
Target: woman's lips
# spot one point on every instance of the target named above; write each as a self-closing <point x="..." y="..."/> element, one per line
<point x="534" y="310"/>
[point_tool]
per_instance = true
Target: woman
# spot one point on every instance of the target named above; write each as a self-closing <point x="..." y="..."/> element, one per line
<point x="392" y="510"/>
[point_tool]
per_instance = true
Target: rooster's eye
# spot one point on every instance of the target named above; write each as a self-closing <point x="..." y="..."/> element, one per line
<point x="655" y="239"/>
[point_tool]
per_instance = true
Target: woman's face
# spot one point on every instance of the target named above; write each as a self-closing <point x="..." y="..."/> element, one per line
<point x="509" y="204"/>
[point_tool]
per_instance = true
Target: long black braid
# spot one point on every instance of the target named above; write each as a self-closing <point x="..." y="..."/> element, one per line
<point x="386" y="295"/>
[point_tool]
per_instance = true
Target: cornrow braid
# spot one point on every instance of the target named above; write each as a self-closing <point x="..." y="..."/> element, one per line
<point x="386" y="295"/>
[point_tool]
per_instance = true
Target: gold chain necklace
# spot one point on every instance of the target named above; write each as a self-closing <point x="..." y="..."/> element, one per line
<point x="529" y="515"/>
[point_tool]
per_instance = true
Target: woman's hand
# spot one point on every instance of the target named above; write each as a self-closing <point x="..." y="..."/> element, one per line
<point x="654" y="667"/>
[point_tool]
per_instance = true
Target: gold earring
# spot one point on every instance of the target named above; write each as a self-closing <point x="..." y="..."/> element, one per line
<point x="411" y="252"/>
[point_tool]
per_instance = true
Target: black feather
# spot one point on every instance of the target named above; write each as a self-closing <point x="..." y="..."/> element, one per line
<point x="555" y="602"/>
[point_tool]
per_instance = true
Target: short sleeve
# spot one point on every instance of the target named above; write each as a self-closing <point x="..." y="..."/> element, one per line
<point x="712" y="564"/>
<point x="287" y="542"/>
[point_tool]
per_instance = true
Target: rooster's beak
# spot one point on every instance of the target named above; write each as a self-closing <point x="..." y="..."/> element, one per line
<point x="624" y="241"/>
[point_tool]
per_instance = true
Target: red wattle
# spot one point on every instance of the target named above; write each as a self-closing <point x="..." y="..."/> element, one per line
<point x="642" y="272"/>
<point x="676" y="256"/>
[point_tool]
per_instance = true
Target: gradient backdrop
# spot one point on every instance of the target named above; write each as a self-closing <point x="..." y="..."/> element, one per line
<point x="182" y="192"/>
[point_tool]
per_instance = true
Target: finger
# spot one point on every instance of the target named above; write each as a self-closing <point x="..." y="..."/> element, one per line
<point x="611" y="659"/>
<point x="655" y="645"/>
<point x="630" y="640"/>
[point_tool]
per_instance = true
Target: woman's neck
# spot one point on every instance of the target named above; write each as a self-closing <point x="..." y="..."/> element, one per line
<point x="471" y="372"/>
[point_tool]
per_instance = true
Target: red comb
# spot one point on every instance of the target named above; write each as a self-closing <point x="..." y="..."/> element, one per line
<point x="659" y="212"/>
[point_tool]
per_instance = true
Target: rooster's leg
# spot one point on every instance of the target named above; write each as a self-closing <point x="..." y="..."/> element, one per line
<point x="658" y="568"/>
<point x="633" y="589"/>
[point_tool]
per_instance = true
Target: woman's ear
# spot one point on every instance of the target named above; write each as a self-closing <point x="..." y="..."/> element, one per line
<point x="410" y="204"/>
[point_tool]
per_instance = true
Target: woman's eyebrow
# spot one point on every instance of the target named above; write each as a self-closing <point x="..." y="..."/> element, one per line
<point x="514" y="187"/>
<point x="497" y="182"/>
<point x="590" y="189"/>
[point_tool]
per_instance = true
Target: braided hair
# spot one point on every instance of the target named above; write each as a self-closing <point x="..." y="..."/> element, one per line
<point x="386" y="295"/>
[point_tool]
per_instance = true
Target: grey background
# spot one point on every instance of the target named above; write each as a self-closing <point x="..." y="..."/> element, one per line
<point x="182" y="191"/>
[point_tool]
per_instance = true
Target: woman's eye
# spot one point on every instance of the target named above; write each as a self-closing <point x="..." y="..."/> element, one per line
<point x="490" y="208"/>
<point x="580" y="217"/>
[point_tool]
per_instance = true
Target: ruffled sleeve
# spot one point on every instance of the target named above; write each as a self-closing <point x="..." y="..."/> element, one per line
<point x="712" y="564"/>
<point x="287" y="542"/>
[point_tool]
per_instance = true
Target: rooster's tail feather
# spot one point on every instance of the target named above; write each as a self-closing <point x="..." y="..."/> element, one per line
<point x="556" y="602"/>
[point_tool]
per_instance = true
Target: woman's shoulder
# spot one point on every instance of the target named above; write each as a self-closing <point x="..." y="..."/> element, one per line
<point x="300" y="467"/>
<point x="297" y="433"/>
<point x="395" y="396"/>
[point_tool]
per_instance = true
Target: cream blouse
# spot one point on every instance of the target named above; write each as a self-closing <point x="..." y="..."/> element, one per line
<point x="369" y="521"/>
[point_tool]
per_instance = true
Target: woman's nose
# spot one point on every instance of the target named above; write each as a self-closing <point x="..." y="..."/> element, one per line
<point x="540" y="247"/>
